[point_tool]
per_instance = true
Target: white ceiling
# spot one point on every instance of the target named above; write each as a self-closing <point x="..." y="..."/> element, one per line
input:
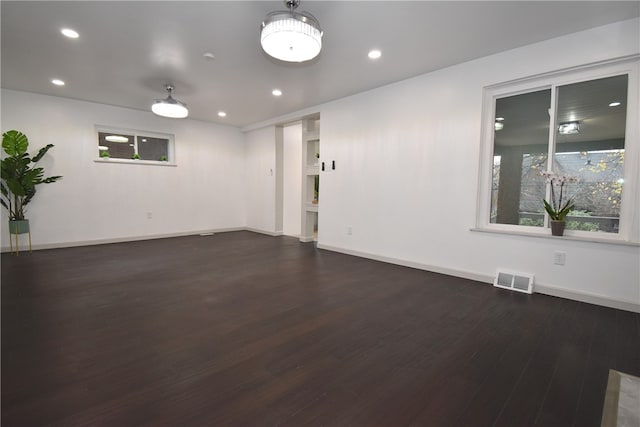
<point x="128" y="51"/>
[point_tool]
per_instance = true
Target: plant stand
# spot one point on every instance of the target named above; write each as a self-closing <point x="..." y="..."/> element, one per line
<point x="16" y="228"/>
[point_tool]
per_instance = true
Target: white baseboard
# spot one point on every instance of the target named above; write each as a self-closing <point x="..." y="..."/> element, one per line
<point x="420" y="266"/>
<point x="546" y="289"/>
<point x="122" y="239"/>
<point x="556" y="291"/>
<point x="268" y="233"/>
<point x="587" y="297"/>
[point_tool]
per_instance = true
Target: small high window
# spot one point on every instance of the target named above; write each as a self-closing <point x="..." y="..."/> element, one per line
<point x="134" y="145"/>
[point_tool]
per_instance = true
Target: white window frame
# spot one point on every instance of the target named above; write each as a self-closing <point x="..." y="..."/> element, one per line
<point x="629" y="229"/>
<point x="136" y="133"/>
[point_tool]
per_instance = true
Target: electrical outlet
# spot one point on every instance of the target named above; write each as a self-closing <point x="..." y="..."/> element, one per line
<point x="349" y="230"/>
<point x="559" y="258"/>
<point x="149" y="215"/>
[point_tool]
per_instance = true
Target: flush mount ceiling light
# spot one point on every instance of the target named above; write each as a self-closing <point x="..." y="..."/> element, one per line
<point x="116" y="138"/>
<point x="291" y="36"/>
<point x="170" y="107"/>
<point x="569" y="128"/>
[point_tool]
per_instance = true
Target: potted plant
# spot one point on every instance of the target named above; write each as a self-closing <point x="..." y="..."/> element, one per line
<point x="104" y="154"/>
<point x="20" y="178"/>
<point x="136" y="156"/>
<point x="557" y="209"/>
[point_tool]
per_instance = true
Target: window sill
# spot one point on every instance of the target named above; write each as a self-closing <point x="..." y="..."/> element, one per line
<point x="595" y="239"/>
<point x="135" y="162"/>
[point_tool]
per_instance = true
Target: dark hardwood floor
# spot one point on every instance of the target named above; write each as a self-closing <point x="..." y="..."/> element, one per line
<point x="245" y="329"/>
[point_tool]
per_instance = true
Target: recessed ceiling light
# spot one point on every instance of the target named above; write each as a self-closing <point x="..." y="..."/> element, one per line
<point x="209" y="56"/>
<point x="116" y="138"/>
<point x="499" y="119"/>
<point x="374" y="54"/>
<point x="222" y="114"/>
<point x="276" y="92"/>
<point x="614" y="104"/>
<point x="57" y="82"/>
<point x="68" y="32"/>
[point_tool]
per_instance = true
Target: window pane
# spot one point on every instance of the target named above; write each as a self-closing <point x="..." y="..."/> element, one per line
<point x="532" y="190"/>
<point x="153" y="148"/>
<point x="115" y="145"/>
<point x="520" y="146"/>
<point x="593" y="151"/>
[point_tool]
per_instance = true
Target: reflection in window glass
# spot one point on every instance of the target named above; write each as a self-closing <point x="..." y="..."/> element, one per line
<point x="521" y="144"/>
<point x="598" y="192"/>
<point x="590" y="142"/>
<point x="495" y="183"/>
<point x="153" y="148"/>
<point x="532" y="189"/>
<point x="115" y="145"/>
<point x="134" y="146"/>
<point x="589" y="145"/>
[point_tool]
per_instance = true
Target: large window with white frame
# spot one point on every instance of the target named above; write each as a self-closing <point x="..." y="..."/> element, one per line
<point x="581" y="125"/>
<point x="133" y="145"/>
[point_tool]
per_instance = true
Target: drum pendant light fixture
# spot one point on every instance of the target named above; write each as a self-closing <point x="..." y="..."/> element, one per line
<point x="291" y="36"/>
<point x="170" y="107"/>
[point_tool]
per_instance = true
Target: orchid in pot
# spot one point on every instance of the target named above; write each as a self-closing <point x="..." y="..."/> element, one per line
<point x="558" y="209"/>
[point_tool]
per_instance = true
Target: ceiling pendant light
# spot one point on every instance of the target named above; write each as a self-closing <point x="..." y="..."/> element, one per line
<point x="291" y="36"/>
<point x="170" y="107"/>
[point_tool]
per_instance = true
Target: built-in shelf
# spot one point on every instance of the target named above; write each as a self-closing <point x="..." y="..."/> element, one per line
<point x="312" y="170"/>
<point x="312" y="135"/>
<point x="310" y="173"/>
<point x="310" y="207"/>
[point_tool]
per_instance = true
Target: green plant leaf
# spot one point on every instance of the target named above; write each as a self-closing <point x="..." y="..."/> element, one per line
<point x="14" y="143"/>
<point x="552" y="213"/>
<point x="28" y="196"/>
<point x="50" y="179"/>
<point x="42" y="152"/>
<point x="15" y="187"/>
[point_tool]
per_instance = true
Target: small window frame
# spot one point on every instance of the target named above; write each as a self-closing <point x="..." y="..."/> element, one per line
<point x="136" y="134"/>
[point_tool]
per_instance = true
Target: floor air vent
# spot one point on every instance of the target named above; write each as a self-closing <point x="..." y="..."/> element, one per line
<point x="521" y="282"/>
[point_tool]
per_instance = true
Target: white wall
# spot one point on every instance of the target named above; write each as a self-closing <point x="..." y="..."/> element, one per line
<point x="260" y="159"/>
<point x="108" y="201"/>
<point x="407" y="160"/>
<point x="292" y="182"/>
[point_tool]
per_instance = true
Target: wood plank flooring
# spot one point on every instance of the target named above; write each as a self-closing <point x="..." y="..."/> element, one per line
<point x="243" y="329"/>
